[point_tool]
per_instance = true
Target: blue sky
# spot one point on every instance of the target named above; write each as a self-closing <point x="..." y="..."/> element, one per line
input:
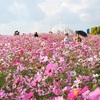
<point x="41" y="15"/>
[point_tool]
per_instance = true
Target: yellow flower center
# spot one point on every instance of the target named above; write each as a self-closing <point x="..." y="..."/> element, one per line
<point x="87" y="94"/>
<point x="76" y="92"/>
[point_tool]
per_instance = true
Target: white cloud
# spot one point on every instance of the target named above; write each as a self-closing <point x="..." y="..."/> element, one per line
<point x="17" y="6"/>
<point x="40" y="27"/>
<point x="9" y="28"/>
<point x="83" y="8"/>
<point x="41" y="15"/>
<point x="51" y="7"/>
<point x="54" y="7"/>
<point x="84" y="17"/>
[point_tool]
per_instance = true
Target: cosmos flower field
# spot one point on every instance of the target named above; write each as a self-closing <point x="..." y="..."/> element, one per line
<point x="46" y="68"/>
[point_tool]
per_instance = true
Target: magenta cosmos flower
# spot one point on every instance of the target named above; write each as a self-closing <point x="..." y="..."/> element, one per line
<point x="29" y="95"/>
<point x="74" y="94"/>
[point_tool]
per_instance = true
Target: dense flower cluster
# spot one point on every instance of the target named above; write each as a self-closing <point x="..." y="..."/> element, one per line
<point x="46" y="68"/>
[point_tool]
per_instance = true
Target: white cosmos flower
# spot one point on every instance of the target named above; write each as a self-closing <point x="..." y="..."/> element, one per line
<point x="95" y="75"/>
<point x="43" y="43"/>
<point x="43" y="58"/>
<point x="43" y="79"/>
<point x="54" y="43"/>
<point x="77" y="81"/>
<point x="38" y="73"/>
<point x="7" y="44"/>
<point x="97" y="59"/>
<point x="99" y="53"/>
<point x="1" y="60"/>
<point x="72" y="73"/>
<point x="1" y="44"/>
<point x="95" y="56"/>
<point x="80" y="60"/>
<point x="94" y="80"/>
<point x="43" y="67"/>
<point x="90" y="59"/>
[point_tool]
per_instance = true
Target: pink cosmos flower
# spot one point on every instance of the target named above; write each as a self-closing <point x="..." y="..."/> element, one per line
<point x="38" y="79"/>
<point x="56" y="90"/>
<point x="2" y="93"/>
<point x="43" y="58"/>
<point x="84" y="89"/>
<point x="74" y="94"/>
<point x="95" y="95"/>
<point x="45" y="38"/>
<point x="34" y="83"/>
<point x="40" y="92"/>
<point x="61" y="59"/>
<point x="85" y="95"/>
<point x="86" y="78"/>
<point x="57" y="98"/>
<point x="65" y="88"/>
<point x="49" y="69"/>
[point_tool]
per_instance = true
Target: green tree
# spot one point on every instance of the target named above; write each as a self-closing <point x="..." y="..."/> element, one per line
<point x="98" y="30"/>
<point x="93" y="30"/>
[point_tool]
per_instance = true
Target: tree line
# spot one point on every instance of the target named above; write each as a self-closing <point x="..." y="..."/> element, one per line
<point x="95" y="30"/>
